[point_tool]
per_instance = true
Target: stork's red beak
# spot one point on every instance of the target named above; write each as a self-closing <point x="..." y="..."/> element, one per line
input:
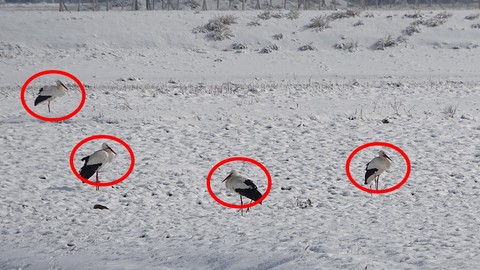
<point x="112" y="150"/>
<point x="389" y="158"/>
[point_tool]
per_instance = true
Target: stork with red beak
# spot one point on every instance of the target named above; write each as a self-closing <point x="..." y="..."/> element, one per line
<point x="242" y="186"/>
<point x="96" y="161"/>
<point x="50" y="92"/>
<point x="376" y="167"/>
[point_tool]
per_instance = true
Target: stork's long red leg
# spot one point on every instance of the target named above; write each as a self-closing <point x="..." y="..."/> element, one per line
<point x="241" y="203"/>
<point x="97" y="187"/>
<point x="49" y="106"/>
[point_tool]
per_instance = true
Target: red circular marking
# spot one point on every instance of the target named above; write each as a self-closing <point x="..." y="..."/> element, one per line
<point x="389" y="145"/>
<point x="96" y="137"/>
<point x="52" y="119"/>
<point x="253" y="161"/>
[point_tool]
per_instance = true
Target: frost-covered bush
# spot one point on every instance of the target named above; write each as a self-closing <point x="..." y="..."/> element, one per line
<point x="412" y="29"/>
<point x="369" y="15"/>
<point x="472" y="16"/>
<point x="270" y="48"/>
<point x="227" y="19"/>
<point x="319" y="23"/>
<point x="254" y="23"/>
<point x="386" y="42"/>
<point x="308" y="47"/>
<point x="450" y="111"/>
<point x="278" y="36"/>
<point x="265" y="15"/>
<point x="344" y="14"/>
<point x="220" y="32"/>
<point x="293" y="14"/>
<point x="416" y="15"/>
<point x="217" y="28"/>
<point x="350" y="46"/>
<point x="239" y="46"/>
<point x="358" y="23"/>
<point x="437" y="20"/>
<point x="277" y="15"/>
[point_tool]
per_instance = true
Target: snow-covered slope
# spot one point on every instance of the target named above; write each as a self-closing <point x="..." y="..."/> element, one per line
<point x="158" y="46"/>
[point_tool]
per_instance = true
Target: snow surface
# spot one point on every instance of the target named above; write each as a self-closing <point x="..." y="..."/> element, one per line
<point x="299" y="113"/>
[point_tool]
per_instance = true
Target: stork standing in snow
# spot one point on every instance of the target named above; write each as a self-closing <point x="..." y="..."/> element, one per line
<point x="96" y="161"/>
<point x="376" y="167"/>
<point x="242" y="186"/>
<point x="50" y="92"/>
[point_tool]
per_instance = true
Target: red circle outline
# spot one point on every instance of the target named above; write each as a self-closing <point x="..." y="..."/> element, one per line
<point x="53" y="119"/>
<point x="96" y="137"/>
<point x="381" y="191"/>
<point x="239" y="158"/>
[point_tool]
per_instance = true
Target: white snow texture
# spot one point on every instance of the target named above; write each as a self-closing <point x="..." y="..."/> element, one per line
<point x="184" y="102"/>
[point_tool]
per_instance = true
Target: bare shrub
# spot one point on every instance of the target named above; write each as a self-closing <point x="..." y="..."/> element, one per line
<point x="437" y="20"/>
<point x="350" y="46"/>
<point x="386" y="42"/>
<point x="217" y="28"/>
<point x="401" y="39"/>
<point x="477" y="25"/>
<point x="239" y="46"/>
<point x="266" y="15"/>
<point x="344" y="14"/>
<point x="416" y="15"/>
<point x="308" y="47"/>
<point x="220" y="32"/>
<point x="412" y="29"/>
<point x="319" y="23"/>
<point x="396" y="105"/>
<point x="368" y="15"/>
<point x="292" y="14"/>
<point x="227" y="19"/>
<point x="358" y="23"/>
<point x="278" y="15"/>
<point x="443" y="15"/>
<point x="254" y="23"/>
<point x="269" y="48"/>
<point x="278" y="36"/>
<point x="450" y="111"/>
<point x="472" y="16"/>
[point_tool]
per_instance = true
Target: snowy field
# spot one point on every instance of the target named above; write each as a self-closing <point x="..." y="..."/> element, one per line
<point x="183" y="103"/>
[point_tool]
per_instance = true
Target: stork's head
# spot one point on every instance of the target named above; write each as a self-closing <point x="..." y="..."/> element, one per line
<point x="232" y="173"/>
<point x="107" y="148"/>
<point x="60" y="84"/>
<point x="381" y="153"/>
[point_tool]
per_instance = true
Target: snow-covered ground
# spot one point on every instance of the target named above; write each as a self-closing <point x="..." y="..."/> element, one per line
<point x="301" y="114"/>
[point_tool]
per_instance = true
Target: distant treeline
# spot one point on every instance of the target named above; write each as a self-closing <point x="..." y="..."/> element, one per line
<point x="251" y="4"/>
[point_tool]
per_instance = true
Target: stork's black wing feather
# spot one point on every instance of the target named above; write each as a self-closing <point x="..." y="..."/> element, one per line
<point x="251" y="192"/>
<point x="39" y="99"/>
<point x="250" y="183"/>
<point x="369" y="173"/>
<point x="88" y="170"/>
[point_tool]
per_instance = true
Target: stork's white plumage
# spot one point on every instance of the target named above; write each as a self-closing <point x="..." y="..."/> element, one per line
<point x="96" y="161"/>
<point x="242" y="186"/>
<point x="376" y="167"/>
<point x="50" y="92"/>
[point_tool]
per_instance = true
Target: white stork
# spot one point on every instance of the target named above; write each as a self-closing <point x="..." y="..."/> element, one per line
<point x="242" y="186"/>
<point x="50" y="92"/>
<point x="96" y="161"/>
<point x="376" y="167"/>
